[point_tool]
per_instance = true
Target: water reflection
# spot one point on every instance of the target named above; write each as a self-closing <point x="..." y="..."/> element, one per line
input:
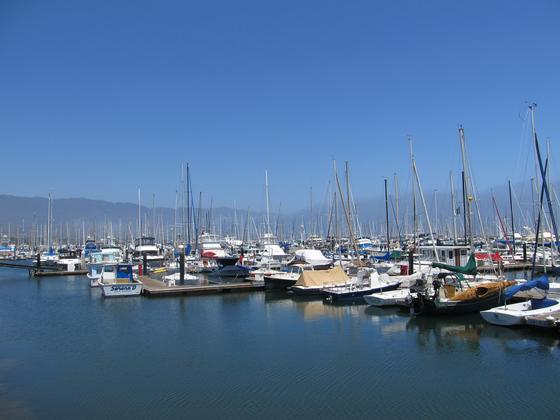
<point x="470" y="332"/>
<point x="447" y="332"/>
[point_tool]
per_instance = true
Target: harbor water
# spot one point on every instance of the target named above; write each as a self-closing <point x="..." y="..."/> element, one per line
<point x="66" y="352"/>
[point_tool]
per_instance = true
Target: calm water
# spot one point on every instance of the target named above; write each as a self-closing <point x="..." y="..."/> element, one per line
<point x="67" y="352"/>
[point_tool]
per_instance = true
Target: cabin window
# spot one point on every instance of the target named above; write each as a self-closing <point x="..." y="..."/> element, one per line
<point x="108" y="269"/>
<point x="463" y="252"/>
<point x="450" y="254"/>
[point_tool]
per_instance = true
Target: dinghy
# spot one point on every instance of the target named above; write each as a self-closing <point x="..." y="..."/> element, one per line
<point x="517" y="313"/>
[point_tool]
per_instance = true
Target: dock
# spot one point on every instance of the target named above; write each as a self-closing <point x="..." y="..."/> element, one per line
<point x="521" y="266"/>
<point x="153" y="287"/>
<point x="54" y="273"/>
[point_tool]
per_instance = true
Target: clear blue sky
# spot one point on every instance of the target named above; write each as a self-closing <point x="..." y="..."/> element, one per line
<point x="97" y="98"/>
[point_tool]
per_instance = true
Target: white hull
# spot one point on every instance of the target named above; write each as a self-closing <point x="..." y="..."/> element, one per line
<point x="121" y="289"/>
<point x="392" y="298"/>
<point x="515" y="314"/>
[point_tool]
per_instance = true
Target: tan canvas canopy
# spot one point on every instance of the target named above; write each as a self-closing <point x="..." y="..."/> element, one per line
<point x="322" y="278"/>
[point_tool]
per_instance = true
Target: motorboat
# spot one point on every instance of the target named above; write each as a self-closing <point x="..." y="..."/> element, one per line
<point x="119" y="280"/>
<point x="366" y="282"/>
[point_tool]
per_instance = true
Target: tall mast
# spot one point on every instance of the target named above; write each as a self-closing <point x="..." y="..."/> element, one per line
<point x="311" y="208"/>
<point x="188" y="187"/>
<point x="466" y="189"/>
<point x="511" y="214"/>
<point x="387" y="216"/>
<point x="154" y="214"/>
<point x="346" y="213"/>
<point x="453" y="212"/>
<point x="267" y="201"/>
<point x="543" y="174"/>
<point x="414" y="219"/>
<point x="436" y="211"/>
<point x="139" y="216"/>
<point x="415" y="170"/>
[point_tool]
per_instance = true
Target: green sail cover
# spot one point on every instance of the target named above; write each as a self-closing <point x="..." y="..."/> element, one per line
<point x="469" y="268"/>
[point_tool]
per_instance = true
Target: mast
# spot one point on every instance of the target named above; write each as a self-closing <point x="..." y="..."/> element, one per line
<point x="453" y="211"/>
<point x="387" y="216"/>
<point x="139" y="217"/>
<point x="175" y="218"/>
<point x="345" y="209"/>
<point x="396" y="182"/>
<point x="543" y="174"/>
<point x="511" y="213"/>
<point x="436" y="210"/>
<point x="267" y="201"/>
<point x="154" y="214"/>
<point x="415" y="170"/>
<point x="311" y="209"/>
<point x="414" y="219"/>
<point x="189" y="212"/>
<point x="466" y="189"/>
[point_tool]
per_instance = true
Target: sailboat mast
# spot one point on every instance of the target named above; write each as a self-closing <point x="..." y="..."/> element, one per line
<point x="267" y="201"/>
<point x="387" y="216"/>
<point x="139" y="216"/>
<point x="415" y="170"/>
<point x="466" y="189"/>
<point x="511" y="213"/>
<point x="453" y="212"/>
<point x="414" y="218"/>
<point x="188" y="187"/>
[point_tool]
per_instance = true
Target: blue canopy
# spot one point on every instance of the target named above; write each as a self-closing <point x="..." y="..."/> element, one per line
<point x="385" y="257"/>
<point x="539" y="283"/>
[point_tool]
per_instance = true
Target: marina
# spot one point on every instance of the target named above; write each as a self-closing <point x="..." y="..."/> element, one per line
<point x="279" y="210"/>
<point x="157" y="288"/>
<point x="183" y="339"/>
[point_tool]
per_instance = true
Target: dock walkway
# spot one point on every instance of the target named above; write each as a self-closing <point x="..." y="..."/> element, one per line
<point x="153" y="287"/>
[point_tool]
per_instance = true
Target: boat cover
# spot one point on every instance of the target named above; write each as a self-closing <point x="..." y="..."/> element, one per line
<point x="482" y="291"/>
<point x="320" y="278"/>
<point x="469" y="268"/>
<point x="542" y="303"/>
<point x="385" y="257"/>
<point x="539" y="283"/>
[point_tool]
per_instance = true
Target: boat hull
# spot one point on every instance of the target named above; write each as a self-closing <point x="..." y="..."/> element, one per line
<point x="356" y="295"/>
<point x="274" y="283"/>
<point x="121" y="289"/>
<point x="515" y="314"/>
<point x="397" y="297"/>
<point x="429" y="306"/>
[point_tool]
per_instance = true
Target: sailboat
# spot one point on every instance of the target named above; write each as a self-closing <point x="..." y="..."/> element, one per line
<point x="517" y="313"/>
<point x="448" y="296"/>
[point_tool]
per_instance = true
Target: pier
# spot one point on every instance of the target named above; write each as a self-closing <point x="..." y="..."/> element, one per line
<point x="55" y="273"/>
<point x="153" y="287"/>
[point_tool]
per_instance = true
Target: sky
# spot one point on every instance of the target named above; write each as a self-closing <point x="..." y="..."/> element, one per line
<point x="100" y="98"/>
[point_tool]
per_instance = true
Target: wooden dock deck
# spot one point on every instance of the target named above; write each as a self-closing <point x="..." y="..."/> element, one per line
<point x="153" y="287"/>
<point x="522" y="266"/>
<point x="54" y="273"/>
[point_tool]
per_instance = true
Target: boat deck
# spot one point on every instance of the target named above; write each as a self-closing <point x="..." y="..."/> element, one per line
<point x="153" y="287"/>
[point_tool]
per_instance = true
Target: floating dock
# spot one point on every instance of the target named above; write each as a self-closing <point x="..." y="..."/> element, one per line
<point x="522" y="266"/>
<point x="55" y="273"/>
<point x="153" y="287"/>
